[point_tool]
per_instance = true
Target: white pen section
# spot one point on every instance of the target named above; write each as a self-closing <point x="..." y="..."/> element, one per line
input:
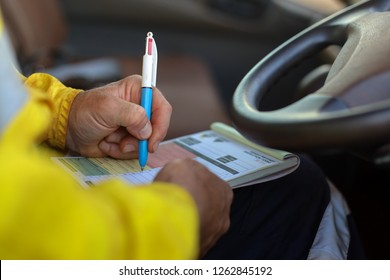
<point x="147" y="71"/>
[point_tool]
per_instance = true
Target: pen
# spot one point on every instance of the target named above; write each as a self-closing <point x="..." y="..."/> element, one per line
<point x="149" y="74"/>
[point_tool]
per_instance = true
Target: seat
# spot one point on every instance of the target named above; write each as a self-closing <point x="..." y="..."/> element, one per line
<point x="38" y="30"/>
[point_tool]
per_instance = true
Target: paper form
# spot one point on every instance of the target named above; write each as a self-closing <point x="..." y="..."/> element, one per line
<point x="82" y="166"/>
<point x="226" y="158"/>
<point x="136" y="178"/>
<point x="223" y="156"/>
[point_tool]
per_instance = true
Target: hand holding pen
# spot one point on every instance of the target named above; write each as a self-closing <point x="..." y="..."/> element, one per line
<point x="106" y="121"/>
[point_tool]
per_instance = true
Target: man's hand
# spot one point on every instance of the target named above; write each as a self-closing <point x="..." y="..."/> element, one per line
<point x="108" y="121"/>
<point x="212" y="195"/>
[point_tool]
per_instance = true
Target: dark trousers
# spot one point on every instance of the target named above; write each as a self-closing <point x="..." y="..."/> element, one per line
<point x="277" y="219"/>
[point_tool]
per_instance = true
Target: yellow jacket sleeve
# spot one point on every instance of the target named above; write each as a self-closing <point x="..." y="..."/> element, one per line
<point x="46" y="214"/>
<point x="61" y="98"/>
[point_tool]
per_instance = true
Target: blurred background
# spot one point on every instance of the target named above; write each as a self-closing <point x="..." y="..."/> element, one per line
<point x="205" y="48"/>
<point x="230" y="36"/>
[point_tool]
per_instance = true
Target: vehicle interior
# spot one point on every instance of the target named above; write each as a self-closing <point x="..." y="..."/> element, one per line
<point x="267" y="66"/>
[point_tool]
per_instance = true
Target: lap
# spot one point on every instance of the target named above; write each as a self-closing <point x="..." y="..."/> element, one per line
<point x="277" y="219"/>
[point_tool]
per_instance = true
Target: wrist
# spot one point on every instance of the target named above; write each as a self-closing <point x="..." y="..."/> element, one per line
<point x="71" y="121"/>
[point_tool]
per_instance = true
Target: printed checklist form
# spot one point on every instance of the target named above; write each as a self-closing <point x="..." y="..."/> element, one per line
<point x="221" y="149"/>
<point x="135" y="178"/>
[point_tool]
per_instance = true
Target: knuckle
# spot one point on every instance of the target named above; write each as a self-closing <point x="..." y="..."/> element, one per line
<point x="169" y="108"/>
<point x="229" y="193"/>
<point x="226" y="225"/>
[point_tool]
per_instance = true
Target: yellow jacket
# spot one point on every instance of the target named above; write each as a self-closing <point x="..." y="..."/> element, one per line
<point x="45" y="214"/>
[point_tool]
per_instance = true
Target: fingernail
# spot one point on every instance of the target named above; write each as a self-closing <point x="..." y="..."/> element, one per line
<point x="146" y="131"/>
<point x="128" y="148"/>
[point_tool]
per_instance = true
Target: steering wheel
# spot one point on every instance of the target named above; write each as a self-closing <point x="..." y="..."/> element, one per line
<point x="351" y="109"/>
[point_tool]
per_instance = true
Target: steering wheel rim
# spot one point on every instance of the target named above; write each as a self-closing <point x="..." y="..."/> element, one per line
<point x="327" y="118"/>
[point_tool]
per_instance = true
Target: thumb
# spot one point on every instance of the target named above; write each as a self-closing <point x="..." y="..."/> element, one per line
<point x="133" y="117"/>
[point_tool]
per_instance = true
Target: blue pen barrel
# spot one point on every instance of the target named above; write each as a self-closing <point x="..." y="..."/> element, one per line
<point x="143" y="156"/>
<point x="146" y="100"/>
<point x="146" y="103"/>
